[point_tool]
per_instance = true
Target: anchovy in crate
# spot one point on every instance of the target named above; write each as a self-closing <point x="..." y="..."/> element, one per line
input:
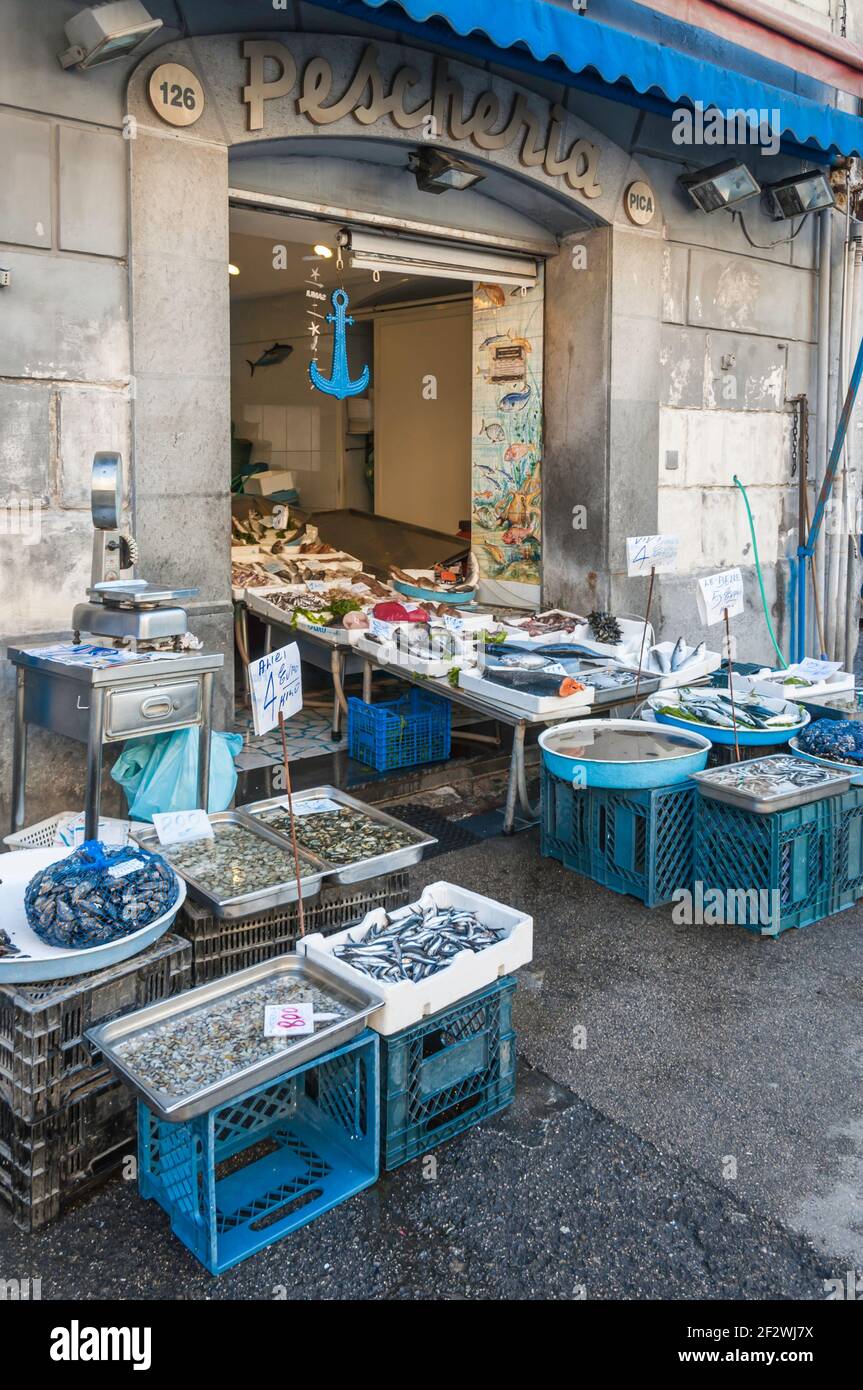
<point x="97" y="895"/>
<point x="415" y="942"/>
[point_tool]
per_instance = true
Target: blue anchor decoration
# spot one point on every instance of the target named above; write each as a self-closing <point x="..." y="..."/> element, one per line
<point x="339" y="382"/>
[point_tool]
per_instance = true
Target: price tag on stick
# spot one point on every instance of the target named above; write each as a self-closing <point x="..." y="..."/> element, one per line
<point x="720" y="594"/>
<point x="646" y="553"/>
<point x="176" y="827"/>
<point x="276" y="686"/>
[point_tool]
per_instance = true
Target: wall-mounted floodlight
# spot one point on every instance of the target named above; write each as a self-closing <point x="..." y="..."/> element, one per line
<point x="802" y="193"/>
<point x="105" y="32"/>
<point x="720" y="186"/>
<point x="436" y="172"/>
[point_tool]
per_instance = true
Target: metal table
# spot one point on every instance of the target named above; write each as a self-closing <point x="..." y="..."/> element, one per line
<point x="519" y="721"/>
<point x="109" y="705"/>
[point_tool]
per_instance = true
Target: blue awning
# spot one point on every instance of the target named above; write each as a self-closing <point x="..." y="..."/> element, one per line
<point x="663" y="76"/>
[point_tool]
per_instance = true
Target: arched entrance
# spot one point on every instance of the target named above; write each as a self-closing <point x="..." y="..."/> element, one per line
<point x="267" y="116"/>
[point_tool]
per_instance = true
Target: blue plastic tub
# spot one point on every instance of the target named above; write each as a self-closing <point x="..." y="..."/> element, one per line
<point x="746" y="738"/>
<point x="856" y="780"/>
<point x="416" y="591"/>
<point x="588" y="772"/>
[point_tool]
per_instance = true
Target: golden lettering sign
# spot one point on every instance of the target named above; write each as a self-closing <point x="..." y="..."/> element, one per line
<point x="441" y="115"/>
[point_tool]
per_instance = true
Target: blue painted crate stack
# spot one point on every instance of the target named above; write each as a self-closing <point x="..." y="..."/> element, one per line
<point x="635" y="842"/>
<point x="399" y="733"/>
<point x="245" y="1174"/>
<point x="783" y="869"/>
<point x="447" y="1073"/>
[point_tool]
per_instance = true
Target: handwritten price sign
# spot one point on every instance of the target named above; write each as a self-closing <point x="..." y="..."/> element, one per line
<point x="277" y="687"/>
<point x="646" y="553"/>
<point x="719" y="592"/>
<point x="289" y="1020"/>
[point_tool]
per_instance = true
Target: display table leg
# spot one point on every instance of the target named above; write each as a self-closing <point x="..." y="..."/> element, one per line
<point x="205" y="740"/>
<point x="93" y="793"/>
<point x="19" y="755"/>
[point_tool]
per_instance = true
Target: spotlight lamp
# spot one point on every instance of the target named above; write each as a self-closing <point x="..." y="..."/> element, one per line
<point x="801" y="193"/>
<point x="105" y="32"/>
<point x="720" y="186"/>
<point x="436" y="172"/>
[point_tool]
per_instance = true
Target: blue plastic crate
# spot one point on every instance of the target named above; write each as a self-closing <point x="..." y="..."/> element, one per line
<point x="750" y="857"/>
<point x="242" y="1176"/>
<point x="447" y="1073"/>
<point x="399" y="733"/>
<point x="847" y="869"/>
<point x="635" y="842"/>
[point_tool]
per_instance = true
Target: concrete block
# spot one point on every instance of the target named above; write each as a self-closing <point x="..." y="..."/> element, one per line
<point x="188" y="183"/>
<point x="635" y="358"/>
<point x="64" y="318"/>
<point x="93" y="192"/>
<point x="755" y="445"/>
<point x="675" y="272"/>
<point x="25" y="440"/>
<point x="89" y="421"/>
<point x="681" y="365"/>
<point x="633" y="455"/>
<point x="744" y="373"/>
<point x="25" y="180"/>
<point x="725" y="530"/>
<point x="182" y="317"/>
<point x="679" y="514"/>
<point x="182" y="430"/>
<point x="185" y="540"/>
<point x="43" y="574"/>
<point x="637" y="263"/>
<point x="744" y="294"/>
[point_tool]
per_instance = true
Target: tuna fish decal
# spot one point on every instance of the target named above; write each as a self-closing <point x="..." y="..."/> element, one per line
<point x="272" y="356"/>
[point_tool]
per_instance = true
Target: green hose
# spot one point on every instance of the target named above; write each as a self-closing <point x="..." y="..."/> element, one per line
<point x="776" y="647"/>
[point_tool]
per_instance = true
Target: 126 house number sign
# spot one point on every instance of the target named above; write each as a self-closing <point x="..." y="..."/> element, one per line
<point x="176" y="94"/>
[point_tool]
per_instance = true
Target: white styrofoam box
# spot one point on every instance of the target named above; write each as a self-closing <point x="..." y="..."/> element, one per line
<point x="695" y="671"/>
<point x="405" y="1003"/>
<point x="836" y="684"/>
<point x="626" y="650"/>
<point x="388" y="653"/>
<point x="522" y="701"/>
<point x="340" y="636"/>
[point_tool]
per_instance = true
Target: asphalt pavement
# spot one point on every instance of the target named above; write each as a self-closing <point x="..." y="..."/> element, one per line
<point x="688" y="1124"/>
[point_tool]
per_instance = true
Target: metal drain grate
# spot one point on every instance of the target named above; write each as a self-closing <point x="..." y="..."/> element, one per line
<point x="450" y="834"/>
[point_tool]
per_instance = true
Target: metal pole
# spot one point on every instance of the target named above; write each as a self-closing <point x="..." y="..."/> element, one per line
<point x="204" y="741"/>
<point x="19" y="754"/>
<point x="93" y="794"/>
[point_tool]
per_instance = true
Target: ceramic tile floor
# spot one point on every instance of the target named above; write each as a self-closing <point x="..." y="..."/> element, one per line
<point x="309" y="735"/>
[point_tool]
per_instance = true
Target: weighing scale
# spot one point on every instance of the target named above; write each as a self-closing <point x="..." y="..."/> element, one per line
<point x="96" y="703"/>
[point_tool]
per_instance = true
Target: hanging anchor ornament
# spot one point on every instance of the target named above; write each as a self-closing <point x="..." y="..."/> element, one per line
<point x="339" y="383"/>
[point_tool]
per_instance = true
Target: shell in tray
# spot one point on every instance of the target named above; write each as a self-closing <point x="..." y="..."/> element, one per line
<point x="32" y="960"/>
<point x="406" y="1001"/>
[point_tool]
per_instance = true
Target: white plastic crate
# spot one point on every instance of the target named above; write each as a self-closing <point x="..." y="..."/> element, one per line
<point x="522" y="700"/>
<point x="405" y="1003"/>
<point x="57" y="830"/>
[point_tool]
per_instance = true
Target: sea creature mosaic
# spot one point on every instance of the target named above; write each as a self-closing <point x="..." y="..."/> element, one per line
<point x="507" y="435"/>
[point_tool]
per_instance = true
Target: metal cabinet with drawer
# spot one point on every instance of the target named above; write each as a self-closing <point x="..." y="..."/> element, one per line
<point x="98" y="706"/>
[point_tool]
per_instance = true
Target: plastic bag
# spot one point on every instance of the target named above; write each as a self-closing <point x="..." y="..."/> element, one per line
<point x="161" y="773"/>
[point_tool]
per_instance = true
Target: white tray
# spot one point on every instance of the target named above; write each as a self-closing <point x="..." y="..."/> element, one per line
<point x="388" y="654"/>
<point x="406" y="1003"/>
<point x="838" y="684"/>
<point x="520" y="699"/>
<point x="696" y="670"/>
<point x="626" y="650"/>
<point x="45" y="962"/>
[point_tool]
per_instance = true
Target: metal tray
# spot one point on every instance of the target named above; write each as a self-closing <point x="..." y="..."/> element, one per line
<point x="710" y="784"/>
<point x="107" y="1037"/>
<point x="277" y="895"/>
<point x="364" y="868"/>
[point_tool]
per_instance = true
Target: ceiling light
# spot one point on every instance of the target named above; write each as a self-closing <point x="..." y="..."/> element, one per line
<point x="436" y="172"/>
<point x="104" y="32"/>
<point x="802" y="193"/>
<point x="321" y="250"/>
<point x="233" y="269"/>
<point x="720" y="186"/>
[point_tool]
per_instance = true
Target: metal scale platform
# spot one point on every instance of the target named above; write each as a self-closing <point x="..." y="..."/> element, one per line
<point x="96" y="702"/>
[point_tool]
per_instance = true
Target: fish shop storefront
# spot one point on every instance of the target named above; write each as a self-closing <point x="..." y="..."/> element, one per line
<point x="647" y="355"/>
<point x="402" y="331"/>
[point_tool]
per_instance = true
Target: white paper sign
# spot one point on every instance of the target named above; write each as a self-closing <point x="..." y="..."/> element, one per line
<point x="314" y="805"/>
<point x="646" y="553"/>
<point x="718" y="592"/>
<point x="128" y="866"/>
<point x="175" y="827"/>
<point x="813" y="670"/>
<point x="276" y="686"/>
<point x="289" y="1020"/>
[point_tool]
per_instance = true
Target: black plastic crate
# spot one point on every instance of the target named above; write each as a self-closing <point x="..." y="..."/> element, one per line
<point x="45" y="1060"/>
<point x="46" y="1164"/>
<point x="221" y="946"/>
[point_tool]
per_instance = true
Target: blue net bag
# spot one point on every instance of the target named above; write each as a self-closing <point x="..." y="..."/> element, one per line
<point x="98" y="894"/>
<point x="839" y="739"/>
